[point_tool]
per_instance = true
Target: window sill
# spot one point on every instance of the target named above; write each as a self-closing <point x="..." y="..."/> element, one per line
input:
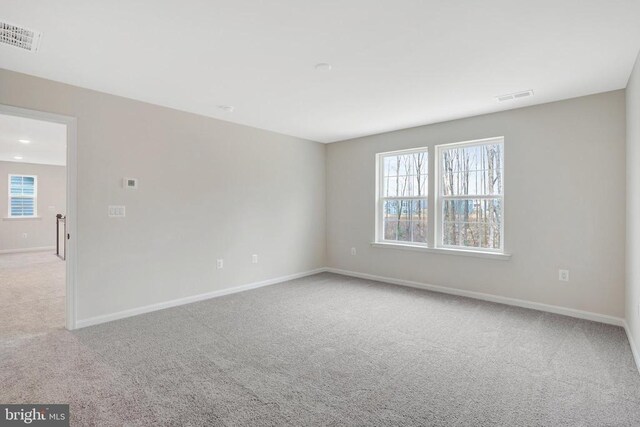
<point x="21" y="218"/>
<point x="460" y="252"/>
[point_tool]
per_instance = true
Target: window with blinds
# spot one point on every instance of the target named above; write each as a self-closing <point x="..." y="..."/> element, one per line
<point x="23" y="191"/>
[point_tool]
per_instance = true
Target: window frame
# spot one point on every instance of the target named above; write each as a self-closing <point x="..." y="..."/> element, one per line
<point x="34" y="197"/>
<point x="380" y="199"/>
<point x="439" y="198"/>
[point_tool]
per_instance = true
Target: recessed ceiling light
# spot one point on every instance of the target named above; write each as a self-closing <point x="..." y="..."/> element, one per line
<point x="24" y="141"/>
<point x="323" y="66"/>
<point x="226" y="108"/>
<point x="18" y="157"/>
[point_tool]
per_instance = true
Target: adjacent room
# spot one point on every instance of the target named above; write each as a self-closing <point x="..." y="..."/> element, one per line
<point x="32" y="269"/>
<point x="300" y="213"/>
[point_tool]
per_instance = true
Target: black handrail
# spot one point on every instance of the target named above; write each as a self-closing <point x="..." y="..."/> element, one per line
<point x="61" y="219"/>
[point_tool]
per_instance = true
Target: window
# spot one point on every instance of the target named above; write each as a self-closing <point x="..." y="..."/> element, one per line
<point x="402" y="196"/>
<point x="470" y="195"/>
<point x="23" y="191"/>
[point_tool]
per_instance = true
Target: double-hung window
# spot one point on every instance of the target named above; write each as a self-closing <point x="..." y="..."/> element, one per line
<point x="23" y="193"/>
<point x="470" y="195"/>
<point x="403" y="196"/>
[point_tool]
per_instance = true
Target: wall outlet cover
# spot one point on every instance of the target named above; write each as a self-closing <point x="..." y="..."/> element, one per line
<point x="563" y="275"/>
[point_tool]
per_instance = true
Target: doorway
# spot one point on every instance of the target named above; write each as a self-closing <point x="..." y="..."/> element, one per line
<point x="37" y="222"/>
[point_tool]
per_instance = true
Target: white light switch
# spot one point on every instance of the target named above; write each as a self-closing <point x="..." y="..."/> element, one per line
<point x="116" y="211"/>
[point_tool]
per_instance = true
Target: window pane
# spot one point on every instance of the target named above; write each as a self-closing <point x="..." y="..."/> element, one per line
<point x="405" y="220"/>
<point x="472" y="222"/>
<point x="475" y="170"/>
<point x="405" y="175"/>
<point x="22" y="185"/>
<point x="398" y="186"/>
<point x="419" y="221"/>
<point x="22" y="206"/>
<point x="419" y="185"/>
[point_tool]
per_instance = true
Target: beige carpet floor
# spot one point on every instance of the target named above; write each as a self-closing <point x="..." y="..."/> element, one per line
<point x="322" y="350"/>
<point x="32" y="302"/>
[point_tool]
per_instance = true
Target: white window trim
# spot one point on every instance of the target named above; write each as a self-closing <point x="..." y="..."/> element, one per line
<point x="34" y="197"/>
<point x="379" y="229"/>
<point x="444" y="251"/>
<point x="439" y="198"/>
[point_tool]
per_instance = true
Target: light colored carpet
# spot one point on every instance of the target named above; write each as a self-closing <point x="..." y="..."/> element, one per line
<point x="31" y="296"/>
<point x="332" y="350"/>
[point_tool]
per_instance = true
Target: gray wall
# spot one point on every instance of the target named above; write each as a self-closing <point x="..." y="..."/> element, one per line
<point x="208" y="189"/>
<point x="633" y="204"/>
<point x="51" y="201"/>
<point x="564" y="205"/>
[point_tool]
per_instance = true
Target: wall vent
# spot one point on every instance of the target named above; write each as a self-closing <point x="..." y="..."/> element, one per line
<point x="20" y="37"/>
<point x="514" y="96"/>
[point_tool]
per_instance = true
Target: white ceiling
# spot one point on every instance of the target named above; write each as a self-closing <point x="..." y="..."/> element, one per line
<point x="47" y="141"/>
<point x="396" y="63"/>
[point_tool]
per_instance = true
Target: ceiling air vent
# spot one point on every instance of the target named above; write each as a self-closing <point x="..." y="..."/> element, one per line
<point x="20" y="37"/>
<point x="514" y="96"/>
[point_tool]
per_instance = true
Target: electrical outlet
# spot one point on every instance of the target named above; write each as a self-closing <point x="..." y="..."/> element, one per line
<point x="254" y="259"/>
<point x="220" y="264"/>
<point x="353" y="251"/>
<point x="563" y="275"/>
<point x="25" y="235"/>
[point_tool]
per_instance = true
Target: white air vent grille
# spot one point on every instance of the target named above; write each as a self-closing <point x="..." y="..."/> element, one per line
<point x="22" y="38"/>
<point x="514" y="96"/>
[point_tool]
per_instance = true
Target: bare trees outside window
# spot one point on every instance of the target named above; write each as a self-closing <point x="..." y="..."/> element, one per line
<point x="468" y="192"/>
<point x="471" y="195"/>
<point x="403" y="197"/>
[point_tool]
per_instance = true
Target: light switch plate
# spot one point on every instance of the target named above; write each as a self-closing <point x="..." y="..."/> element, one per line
<point x="117" y="211"/>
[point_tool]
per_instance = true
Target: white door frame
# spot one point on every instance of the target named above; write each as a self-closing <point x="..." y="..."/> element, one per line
<point x="72" y="200"/>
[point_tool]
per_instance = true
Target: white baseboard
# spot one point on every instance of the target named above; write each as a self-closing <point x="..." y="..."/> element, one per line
<point x="23" y="250"/>
<point x="190" y="299"/>
<point x="596" y="317"/>
<point x="632" y="344"/>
